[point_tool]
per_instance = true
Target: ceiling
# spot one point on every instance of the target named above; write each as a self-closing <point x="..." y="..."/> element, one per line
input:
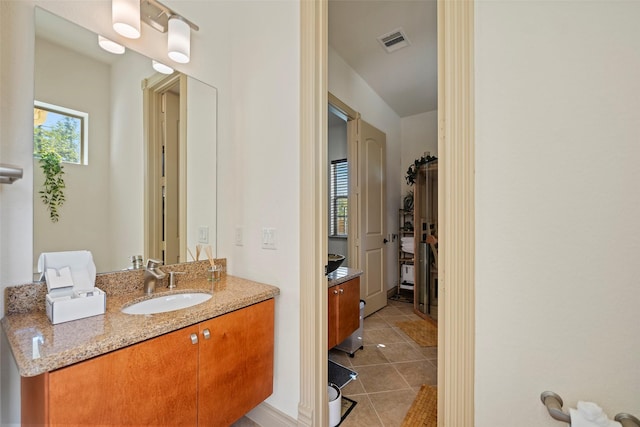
<point x="405" y="79"/>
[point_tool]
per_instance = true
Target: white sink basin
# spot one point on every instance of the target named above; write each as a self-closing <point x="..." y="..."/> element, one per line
<point x="162" y="304"/>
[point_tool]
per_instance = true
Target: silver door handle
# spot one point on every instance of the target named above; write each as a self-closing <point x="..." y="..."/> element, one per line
<point x="194" y="339"/>
<point x="206" y="334"/>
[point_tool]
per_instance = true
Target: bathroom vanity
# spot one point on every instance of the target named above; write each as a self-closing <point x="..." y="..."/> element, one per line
<point x="204" y="365"/>
<point x="343" y="303"/>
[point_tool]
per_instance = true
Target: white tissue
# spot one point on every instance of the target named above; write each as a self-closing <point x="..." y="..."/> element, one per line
<point x="588" y="414"/>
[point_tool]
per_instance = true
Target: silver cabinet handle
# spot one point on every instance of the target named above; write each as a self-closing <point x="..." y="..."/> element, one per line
<point x="335" y="292"/>
<point x="206" y="334"/>
<point x="342" y="291"/>
<point x="194" y="339"/>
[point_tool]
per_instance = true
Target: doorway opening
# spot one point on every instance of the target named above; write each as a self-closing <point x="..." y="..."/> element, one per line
<point x="164" y="103"/>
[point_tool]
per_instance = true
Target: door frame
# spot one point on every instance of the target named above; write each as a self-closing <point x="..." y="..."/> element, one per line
<point x="456" y="263"/>
<point x="152" y="90"/>
<point x="353" y="218"/>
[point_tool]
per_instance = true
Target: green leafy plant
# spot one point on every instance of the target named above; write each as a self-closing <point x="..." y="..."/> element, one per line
<point x="412" y="172"/>
<point x="52" y="193"/>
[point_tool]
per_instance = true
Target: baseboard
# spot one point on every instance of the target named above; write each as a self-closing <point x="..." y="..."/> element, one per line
<point x="392" y="291"/>
<point x="268" y="416"/>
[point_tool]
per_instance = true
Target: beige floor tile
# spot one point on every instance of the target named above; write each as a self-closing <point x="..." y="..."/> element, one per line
<point x="340" y="357"/>
<point x="389" y="311"/>
<point x="401" y="352"/>
<point x="390" y="375"/>
<point x="375" y="322"/>
<point x="382" y="336"/>
<point x="363" y="415"/>
<point x="392" y="320"/>
<point x="430" y="353"/>
<point x="417" y="373"/>
<point x="353" y="388"/>
<point x="392" y="406"/>
<point x="369" y="355"/>
<point x="405" y="308"/>
<point x="377" y="378"/>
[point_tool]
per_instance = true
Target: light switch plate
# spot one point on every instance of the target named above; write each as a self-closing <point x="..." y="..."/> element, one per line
<point x="268" y="238"/>
<point x="203" y="234"/>
<point x="239" y="241"/>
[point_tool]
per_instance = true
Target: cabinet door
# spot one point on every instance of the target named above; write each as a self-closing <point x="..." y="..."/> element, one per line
<point x="343" y="305"/>
<point x="236" y="363"/>
<point x="332" y="317"/>
<point x="349" y="309"/>
<point x="151" y="383"/>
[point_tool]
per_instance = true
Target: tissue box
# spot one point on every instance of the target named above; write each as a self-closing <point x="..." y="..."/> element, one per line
<point x="73" y="305"/>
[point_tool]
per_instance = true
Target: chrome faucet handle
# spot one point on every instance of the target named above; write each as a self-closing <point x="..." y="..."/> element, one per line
<point x="172" y="280"/>
<point x="153" y="263"/>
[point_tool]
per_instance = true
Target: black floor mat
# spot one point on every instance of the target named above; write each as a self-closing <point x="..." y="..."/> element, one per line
<point x="347" y="407"/>
<point x="340" y="375"/>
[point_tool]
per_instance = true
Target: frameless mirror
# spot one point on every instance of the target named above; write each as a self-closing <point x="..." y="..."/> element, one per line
<point x="128" y="193"/>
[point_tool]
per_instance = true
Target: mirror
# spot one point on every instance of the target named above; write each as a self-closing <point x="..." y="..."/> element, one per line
<point x="104" y="211"/>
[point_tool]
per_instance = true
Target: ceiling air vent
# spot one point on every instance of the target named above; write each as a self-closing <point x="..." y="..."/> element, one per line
<point x="394" y="40"/>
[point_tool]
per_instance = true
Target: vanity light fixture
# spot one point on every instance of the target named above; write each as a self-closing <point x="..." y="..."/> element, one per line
<point x="110" y="46"/>
<point x="179" y="39"/>
<point x="160" y="67"/>
<point x="127" y="15"/>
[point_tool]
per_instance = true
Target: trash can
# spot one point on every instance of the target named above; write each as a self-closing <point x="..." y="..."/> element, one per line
<point x="335" y="405"/>
<point x="354" y="341"/>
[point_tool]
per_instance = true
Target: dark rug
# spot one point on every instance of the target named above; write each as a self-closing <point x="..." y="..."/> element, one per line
<point x="340" y="375"/>
<point x="347" y="407"/>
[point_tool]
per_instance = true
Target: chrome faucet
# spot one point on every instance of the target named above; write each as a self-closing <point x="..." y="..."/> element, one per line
<point x="152" y="274"/>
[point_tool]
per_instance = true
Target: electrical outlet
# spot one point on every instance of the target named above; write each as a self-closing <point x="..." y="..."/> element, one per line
<point x="203" y="234"/>
<point x="239" y="241"/>
<point x="268" y="238"/>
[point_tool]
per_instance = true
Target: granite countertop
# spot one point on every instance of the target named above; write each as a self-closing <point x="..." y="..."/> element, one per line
<point x="38" y="346"/>
<point x="343" y="274"/>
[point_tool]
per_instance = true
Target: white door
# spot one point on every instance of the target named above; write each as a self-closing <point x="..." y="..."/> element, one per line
<point x="368" y="178"/>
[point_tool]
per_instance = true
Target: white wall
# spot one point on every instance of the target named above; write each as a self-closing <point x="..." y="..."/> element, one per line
<point x="419" y="134"/>
<point x="259" y="170"/>
<point x="557" y="208"/>
<point x="250" y="52"/>
<point x="202" y="118"/>
<point x="126" y="210"/>
<point x="351" y="89"/>
<point x="67" y="79"/>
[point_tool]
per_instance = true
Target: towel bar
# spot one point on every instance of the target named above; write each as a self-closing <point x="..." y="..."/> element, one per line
<point x="554" y="403"/>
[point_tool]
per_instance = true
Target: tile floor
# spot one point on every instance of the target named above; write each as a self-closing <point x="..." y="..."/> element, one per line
<point x="391" y="369"/>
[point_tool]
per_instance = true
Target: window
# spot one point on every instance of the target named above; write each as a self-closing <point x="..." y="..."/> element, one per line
<point x="61" y="130"/>
<point x="339" y="198"/>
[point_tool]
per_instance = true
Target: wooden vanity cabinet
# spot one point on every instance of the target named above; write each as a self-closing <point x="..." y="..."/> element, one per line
<point x="236" y="364"/>
<point x="343" y="311"/>
<point x="207" y="374"/>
